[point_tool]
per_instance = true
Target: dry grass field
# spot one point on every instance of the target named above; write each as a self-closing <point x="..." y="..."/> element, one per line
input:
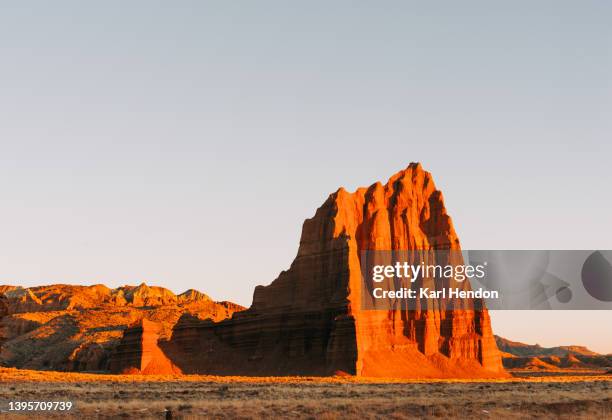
<point x="195" y="396"/>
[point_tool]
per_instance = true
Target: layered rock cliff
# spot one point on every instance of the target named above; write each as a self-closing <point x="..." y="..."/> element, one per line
<point x="310" y="319"/>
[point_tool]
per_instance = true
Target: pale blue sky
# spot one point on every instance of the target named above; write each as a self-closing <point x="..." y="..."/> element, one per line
<point x="184" y="143"/>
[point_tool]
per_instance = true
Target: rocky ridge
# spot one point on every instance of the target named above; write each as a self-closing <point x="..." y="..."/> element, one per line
<point x="533" y="357"/>
<point x="77" y="328"/>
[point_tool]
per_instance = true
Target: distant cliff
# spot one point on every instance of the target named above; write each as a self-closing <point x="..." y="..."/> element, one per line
<point x="535" y="350"/>
<point x="533" y="357"/>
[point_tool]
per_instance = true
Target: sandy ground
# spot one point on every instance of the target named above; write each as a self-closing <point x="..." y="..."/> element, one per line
<point x="196" y="396"/>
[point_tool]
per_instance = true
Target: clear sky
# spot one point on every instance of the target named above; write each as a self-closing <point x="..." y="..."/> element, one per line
<point x="183" y="143"/>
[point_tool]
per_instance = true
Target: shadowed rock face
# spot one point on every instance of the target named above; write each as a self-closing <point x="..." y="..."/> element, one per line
<point x="138" y="351"/>
<point x="309" y="320"/>
<point x="3" y="306"/>
<point x="3" y="312"/>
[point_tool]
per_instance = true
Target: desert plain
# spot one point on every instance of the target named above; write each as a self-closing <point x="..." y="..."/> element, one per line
<point x="583" y="395"/>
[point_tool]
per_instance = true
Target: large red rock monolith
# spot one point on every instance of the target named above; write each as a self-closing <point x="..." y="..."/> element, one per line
<point x="309" y="320"/>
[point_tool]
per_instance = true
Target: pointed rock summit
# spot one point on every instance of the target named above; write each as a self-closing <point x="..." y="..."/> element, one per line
<point x="192" y="295"/>
<point x="309" y="320"/>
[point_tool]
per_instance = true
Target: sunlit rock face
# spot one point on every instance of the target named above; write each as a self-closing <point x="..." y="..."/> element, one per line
<point x="310" y="320"/>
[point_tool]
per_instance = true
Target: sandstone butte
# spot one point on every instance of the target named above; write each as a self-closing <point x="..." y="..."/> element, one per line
<point x="309" y="320"/>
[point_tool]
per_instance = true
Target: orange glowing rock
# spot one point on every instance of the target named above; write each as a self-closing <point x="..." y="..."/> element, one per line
<point x="309" y="320"/>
